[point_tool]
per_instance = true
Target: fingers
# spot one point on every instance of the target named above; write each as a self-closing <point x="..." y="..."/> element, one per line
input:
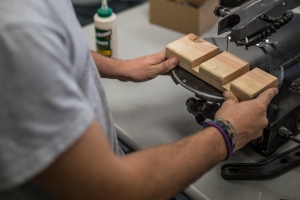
<point x="159" y="63"/>
<point x="159" y="56"/>
<point x="267" y="95"/>
<point x="230" y="96"/>
<point x="166" y="66"/>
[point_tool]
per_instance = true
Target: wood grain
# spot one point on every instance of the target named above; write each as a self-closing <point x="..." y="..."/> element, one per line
<point x="252" y="83"/>
<point x="222" y="69"/>
<point x="191" y="51"/>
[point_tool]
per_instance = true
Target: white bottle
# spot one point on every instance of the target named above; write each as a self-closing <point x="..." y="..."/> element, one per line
<point x="105" y="27"/>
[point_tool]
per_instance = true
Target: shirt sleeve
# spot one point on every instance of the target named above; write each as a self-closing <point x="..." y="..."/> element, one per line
<point x="42" y="109"/>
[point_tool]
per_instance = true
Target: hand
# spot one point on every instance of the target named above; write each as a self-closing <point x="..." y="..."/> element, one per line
<point x="248" y="117"/>
<point x="148" y="67"/>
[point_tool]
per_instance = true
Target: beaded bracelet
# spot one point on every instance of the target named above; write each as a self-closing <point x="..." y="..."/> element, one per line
<point x="230" y="126"/>
<point x="227" y="130"/>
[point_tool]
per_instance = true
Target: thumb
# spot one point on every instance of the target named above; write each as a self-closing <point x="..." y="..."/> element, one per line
<point x="166" y="66"/>
<point x="229" y="96"/>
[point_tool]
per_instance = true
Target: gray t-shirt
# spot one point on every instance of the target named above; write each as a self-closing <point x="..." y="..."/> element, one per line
<point x="50" y="91"/>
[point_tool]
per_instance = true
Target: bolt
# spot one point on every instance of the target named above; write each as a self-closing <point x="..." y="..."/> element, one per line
<point x="295" y="86"/>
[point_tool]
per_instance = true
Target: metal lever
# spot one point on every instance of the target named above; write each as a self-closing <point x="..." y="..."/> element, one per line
<point x="262" y="171"/>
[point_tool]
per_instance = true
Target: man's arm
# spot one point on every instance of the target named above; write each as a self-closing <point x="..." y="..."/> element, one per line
<point x="90" y="170"/>
<point x="137" y="70"/>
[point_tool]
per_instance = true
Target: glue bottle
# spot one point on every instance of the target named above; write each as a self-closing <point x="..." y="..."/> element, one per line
<point x="105" y="27"/>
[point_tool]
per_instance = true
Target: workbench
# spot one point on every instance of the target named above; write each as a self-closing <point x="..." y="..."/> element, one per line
<point x="154" y="112"/>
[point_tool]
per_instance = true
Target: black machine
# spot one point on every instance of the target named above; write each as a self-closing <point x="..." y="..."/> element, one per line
<point x="265" y="33"/>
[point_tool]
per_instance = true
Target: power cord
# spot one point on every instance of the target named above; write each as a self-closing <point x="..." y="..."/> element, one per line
<point x="286" y="134"/>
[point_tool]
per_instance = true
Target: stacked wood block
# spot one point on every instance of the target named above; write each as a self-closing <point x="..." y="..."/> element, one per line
<point x="252" y="83"/>
<point x="223" y="70"/>
<point x="191" y="51"/>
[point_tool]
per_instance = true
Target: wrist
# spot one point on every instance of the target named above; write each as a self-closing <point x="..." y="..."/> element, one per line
<point x="109" y="67"/>
<point x="226" y="130"/>
<point x="217" y="143"/>
<point x="126" y="70"/>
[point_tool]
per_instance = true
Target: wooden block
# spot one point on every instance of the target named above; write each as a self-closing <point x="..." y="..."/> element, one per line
<point x="191" y="51"/>
<point x="252" y="83"/>
<point x="222" y="69"/>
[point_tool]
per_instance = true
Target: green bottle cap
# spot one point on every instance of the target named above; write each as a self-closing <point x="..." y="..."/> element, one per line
<point x="104" y="13"/>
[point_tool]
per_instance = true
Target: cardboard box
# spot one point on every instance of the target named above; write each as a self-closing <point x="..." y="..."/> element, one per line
<point x="180" y="16"/>
<point x="194" y="2"/>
